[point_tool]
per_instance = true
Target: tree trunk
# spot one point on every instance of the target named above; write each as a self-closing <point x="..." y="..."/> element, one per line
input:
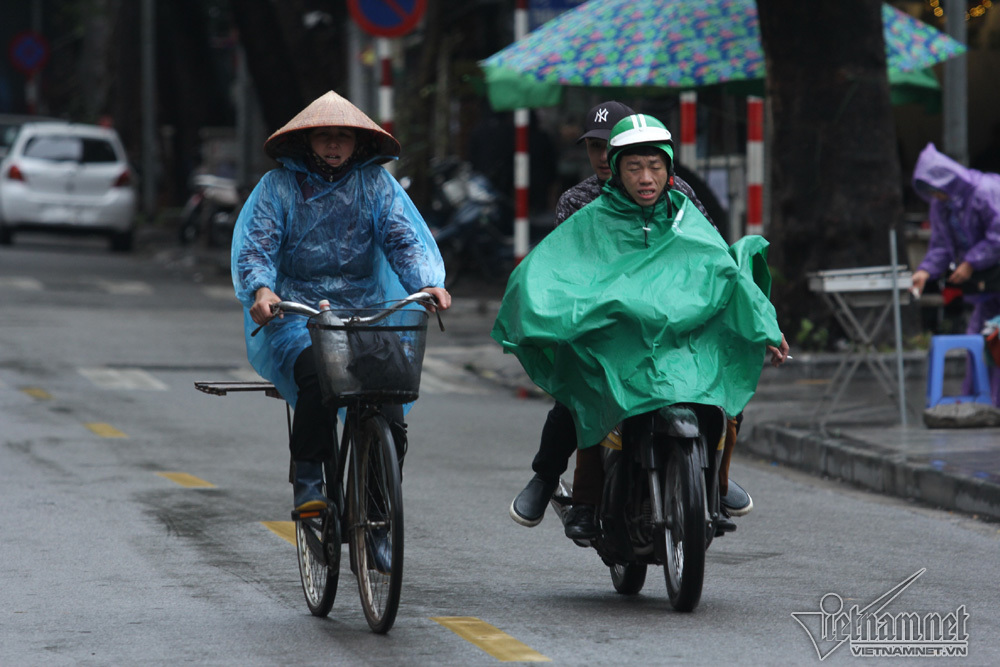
<point x="836" y="188"/>
<point x="292" y="62"/>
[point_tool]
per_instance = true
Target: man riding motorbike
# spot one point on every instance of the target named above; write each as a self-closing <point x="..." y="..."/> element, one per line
<point x="704" y="303"/>
<point x="558" y="436"/>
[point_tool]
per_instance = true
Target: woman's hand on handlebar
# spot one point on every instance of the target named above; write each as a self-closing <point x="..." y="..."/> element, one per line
<point x="260" y="312"/>
<point x="440" y="295"/>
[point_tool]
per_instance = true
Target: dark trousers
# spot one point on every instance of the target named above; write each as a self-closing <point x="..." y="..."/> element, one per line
<point x="314" y="424"/>
<point x="557" y="444"/>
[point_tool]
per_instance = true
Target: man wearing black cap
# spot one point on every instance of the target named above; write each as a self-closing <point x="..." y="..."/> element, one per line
<point x="597" y="127"/>
<point x="558" y="441"/>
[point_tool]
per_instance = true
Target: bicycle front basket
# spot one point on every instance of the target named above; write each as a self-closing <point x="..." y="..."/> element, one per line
<point x="378" y="362"/>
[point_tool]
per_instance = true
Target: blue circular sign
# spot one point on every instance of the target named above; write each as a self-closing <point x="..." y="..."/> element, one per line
<point x="387" y="18"/>
<point x="29" y="52"/>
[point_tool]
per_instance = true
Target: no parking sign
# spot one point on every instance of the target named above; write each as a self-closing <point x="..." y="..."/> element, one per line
<point x="29" y="52"/>
<point x="387" y="18"/>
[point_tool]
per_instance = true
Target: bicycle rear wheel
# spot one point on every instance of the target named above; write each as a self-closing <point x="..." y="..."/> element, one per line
<point x="377" y="523"/>
<point x="317" y="541"/>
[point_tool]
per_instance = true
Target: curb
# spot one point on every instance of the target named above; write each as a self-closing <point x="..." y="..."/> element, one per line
<point x="875" y="468"/>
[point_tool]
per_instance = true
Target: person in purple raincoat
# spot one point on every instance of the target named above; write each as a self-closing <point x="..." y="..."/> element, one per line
<point x="965" y="236"/>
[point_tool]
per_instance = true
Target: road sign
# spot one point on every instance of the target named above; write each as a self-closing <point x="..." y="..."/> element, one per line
<point x="387" y="18"/>
<point x="29" y="52"/>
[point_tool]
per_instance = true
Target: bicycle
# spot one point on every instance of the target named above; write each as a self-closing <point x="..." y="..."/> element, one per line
<point x="367" y="358"/>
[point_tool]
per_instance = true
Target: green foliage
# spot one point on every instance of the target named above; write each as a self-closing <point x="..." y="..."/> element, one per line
<point x="810" y="337"/>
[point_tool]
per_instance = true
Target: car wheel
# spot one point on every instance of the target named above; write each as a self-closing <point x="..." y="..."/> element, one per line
<point x="123" y="241"/>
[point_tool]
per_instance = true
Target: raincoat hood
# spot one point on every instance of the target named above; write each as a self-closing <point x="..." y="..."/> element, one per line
<point x="941" y="173"/>
<point x="333" y="110"/>
<point x="615" y="314"/>
<point x="966" y="225"/>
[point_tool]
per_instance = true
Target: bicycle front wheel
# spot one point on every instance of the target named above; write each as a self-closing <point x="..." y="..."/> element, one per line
<point x="376" y="531"/>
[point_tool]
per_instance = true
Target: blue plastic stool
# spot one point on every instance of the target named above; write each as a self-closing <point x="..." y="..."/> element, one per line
<point x="940" y="345"/>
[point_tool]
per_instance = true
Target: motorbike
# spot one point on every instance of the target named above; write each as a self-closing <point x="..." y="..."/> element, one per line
<point x="661" y="502"/>
<point x="472" y="223"/>
<point x="210" y="211"/>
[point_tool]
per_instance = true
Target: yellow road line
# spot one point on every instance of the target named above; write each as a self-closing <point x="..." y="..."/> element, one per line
<point x="283" y="529"/>
<point x="499" y="644"/>
<point x="105" y="430"/>
<point x="187" y="480"/>
<point x="37" y="392"/>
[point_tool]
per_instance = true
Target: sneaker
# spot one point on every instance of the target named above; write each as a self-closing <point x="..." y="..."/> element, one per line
<point x="737" y="502"/>
<point x="580" y="523"/>
<point x="308" y="487"/>
<point x="528" y="507"/>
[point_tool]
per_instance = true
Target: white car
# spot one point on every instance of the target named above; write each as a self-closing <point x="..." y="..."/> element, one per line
<point x="68" y="177"/>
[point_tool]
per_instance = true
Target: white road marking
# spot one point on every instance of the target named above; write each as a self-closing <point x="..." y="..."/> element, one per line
<point x="124" y="287"/>
<point x="219" y="292"/>
<point x="25" y="284"/>
<point x="122" y="378"/>
<point x="246" y="375"/>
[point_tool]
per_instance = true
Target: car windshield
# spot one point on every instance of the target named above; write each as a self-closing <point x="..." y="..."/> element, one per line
<point x="69" y="148"/>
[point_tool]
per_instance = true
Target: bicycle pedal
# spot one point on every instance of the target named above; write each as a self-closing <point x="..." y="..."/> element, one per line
<point x="299" y="515"/>
<point x="724" y="525"/>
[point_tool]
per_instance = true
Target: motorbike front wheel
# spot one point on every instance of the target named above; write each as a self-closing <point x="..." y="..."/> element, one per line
<point x="628" y="578"/>
<point x="684" y="536"/>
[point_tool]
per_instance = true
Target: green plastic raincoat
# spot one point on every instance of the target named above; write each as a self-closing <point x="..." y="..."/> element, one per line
<point x="614" y="321"/>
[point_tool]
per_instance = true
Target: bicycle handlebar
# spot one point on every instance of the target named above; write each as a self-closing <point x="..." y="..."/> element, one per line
<point x="424" y="298"/>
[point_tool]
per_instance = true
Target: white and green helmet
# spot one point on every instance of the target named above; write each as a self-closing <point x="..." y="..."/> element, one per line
<point x="638" y="130"/>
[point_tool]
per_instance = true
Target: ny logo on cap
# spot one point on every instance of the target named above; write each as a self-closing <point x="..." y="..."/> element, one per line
<point x="602" y="116"/>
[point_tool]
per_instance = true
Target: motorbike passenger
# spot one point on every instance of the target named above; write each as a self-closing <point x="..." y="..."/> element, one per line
<point x="593" y="303"/>
<point x="558" y="438"/>
<point x="329" y="223"/>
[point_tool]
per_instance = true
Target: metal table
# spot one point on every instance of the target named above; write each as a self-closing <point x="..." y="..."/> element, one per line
<point x="861" y="300"/>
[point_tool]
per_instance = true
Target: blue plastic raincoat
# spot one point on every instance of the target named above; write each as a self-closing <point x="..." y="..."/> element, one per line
<point x="357" y="242"/>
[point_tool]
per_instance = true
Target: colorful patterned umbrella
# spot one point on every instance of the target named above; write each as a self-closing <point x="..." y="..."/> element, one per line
<point x="667" y="44"/>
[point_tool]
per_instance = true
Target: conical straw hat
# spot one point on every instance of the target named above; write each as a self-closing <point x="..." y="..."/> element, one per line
<point x="330" y="109"/>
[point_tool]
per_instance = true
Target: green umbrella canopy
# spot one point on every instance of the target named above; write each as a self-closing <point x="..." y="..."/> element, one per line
<point x="672" y="45"/>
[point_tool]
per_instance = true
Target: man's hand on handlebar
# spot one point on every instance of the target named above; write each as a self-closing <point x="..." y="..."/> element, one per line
<point x="260" y="312"/>
<point x="442" y="297"/>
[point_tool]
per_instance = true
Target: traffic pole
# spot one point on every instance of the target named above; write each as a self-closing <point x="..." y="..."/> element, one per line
<point x="689" y="130"/>
<point x="385" y="111"/>
<point x="755" y="165"/>
<point x="522" y="174"/>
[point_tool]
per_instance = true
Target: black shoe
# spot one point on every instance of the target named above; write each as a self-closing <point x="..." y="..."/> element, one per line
<point x="580" y="523"/>
<point x="528" y="507"/>
<point x="737" y="502"/>
<point x="380" y="549"/>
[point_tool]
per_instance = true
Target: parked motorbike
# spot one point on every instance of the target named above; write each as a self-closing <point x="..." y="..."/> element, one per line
<point x="210" y="212"/>
<point x="472" y="223"/>
<point x="661" y="503"/>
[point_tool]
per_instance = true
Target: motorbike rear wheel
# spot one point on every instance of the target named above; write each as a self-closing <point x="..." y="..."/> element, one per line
<point x="684" y="537"/>
<point x="628" y="578"/>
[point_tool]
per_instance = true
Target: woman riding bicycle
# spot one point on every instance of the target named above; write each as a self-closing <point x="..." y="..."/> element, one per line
<point x="331" y="224"/>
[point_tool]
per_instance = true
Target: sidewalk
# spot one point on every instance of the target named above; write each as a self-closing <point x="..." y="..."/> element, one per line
<point x="863" y="443"/>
